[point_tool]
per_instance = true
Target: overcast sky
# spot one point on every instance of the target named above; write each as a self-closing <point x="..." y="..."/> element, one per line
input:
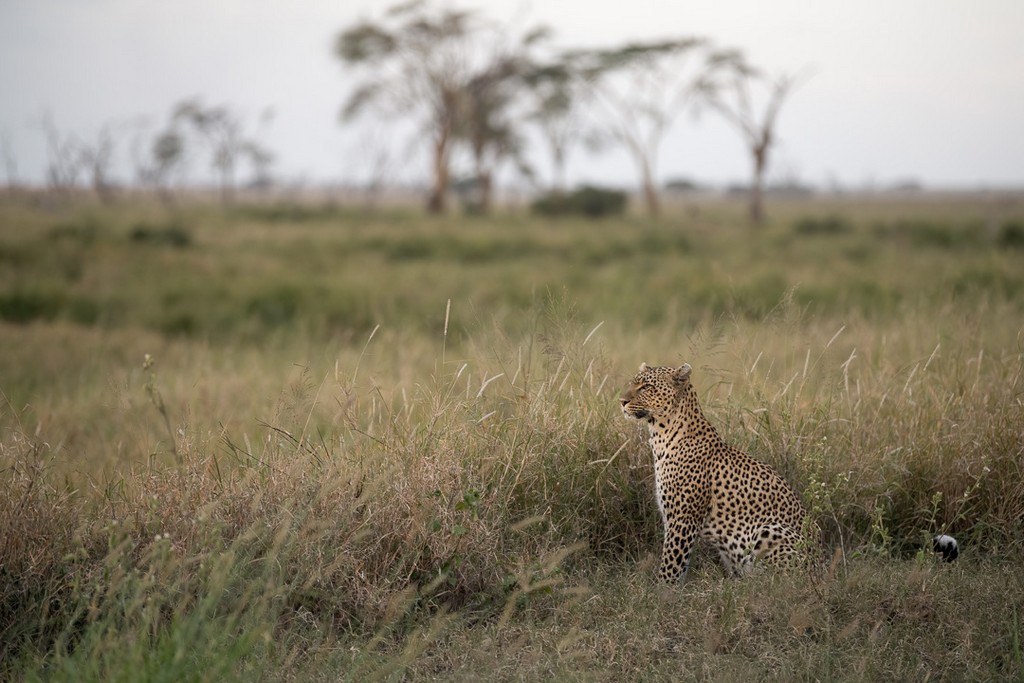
<point x="931" y="90"/>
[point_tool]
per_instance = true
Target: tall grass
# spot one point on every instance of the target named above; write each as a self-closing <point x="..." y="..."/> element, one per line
<point x="445" y="496"/>
<point x="453" y="492"/>
<point x="473" y="488"/>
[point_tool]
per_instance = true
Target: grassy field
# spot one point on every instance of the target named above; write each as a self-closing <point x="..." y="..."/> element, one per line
<point x="302" y="442"/>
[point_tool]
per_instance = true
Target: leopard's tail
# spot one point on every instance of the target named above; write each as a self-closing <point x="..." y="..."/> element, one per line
<point x="946" y="546"/>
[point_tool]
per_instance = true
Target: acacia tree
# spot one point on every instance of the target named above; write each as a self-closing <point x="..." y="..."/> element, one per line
<point x="414" y="63"/>
<point x="557" y="94"/>
<point x="734" y="100"/>
<point x="222" y="131"/>
<point x="484" y="126"/>
<point x="164" y="157"/>
<point x="490" y="116"/>
<point x="10" y="162"/>
<point x="70" y="156"/>
<point x="96" y="157"/>
<point x="64" y="161"/>
<point x="379" y="163"/>
<point x="641" y="89"/>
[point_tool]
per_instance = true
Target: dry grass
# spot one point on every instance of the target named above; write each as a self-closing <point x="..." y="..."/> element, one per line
<point x="458" y="498"/>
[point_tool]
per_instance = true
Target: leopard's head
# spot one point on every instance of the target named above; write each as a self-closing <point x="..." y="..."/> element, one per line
<point x="654" y="391"/>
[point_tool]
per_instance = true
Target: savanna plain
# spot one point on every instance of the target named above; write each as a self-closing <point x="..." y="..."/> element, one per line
<point x="304" y="442"/>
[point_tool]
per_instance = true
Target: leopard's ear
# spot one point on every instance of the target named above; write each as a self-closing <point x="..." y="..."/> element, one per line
<point x="643" y="366"/>
<point x="682" y="373"/>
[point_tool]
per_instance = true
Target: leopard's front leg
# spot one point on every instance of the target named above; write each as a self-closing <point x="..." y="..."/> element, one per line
<point x="680" y="535"/>
<point x="684" y="501"/>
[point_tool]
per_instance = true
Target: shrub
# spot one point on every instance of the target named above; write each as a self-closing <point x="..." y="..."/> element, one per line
<point x="825" y="225"/>
<point x="1011" y="235"/>
<point x="26" y="306"/>
<point x="287" y="212"/>
<point x="83" y="311"/>
<point x="923" y="233"/>
<point x="590" y="201"/>
<point x="84" y="231"/>
<point x="169" y="234"/>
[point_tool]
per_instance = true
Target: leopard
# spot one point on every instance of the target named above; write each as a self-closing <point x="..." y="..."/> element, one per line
<point x="707" y="489"/>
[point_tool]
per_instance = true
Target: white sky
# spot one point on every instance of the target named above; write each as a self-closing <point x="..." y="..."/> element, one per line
<point x="926" y="89"/>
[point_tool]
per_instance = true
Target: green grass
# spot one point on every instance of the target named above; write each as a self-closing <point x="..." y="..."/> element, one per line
<point x="305" y="443"/>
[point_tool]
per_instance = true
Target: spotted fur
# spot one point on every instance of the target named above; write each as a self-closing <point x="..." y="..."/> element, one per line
<point x="706" y="488"/>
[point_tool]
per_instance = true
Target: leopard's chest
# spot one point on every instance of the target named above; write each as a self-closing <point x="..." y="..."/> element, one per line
<point x="681" y="466"/>
<point x="657" y="491"/>
<point x="681" y="483"/>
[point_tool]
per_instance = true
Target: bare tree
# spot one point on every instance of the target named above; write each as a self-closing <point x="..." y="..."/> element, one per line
<point x="10" y="163"/>
<point x="488" y="124"/>
<point x="557" y="94"/>
<point x="223" y="133"/>
<point x="164" y="157"/>
<point x="69" y="157"/>
<point x="96" y="157"/>
<point x="64" y="162"/>
<point x="641" y="89"/>
<point x="734" y="100"/>
<point x="414" y="62"/>
<point x="380" y="162"/>
<point x="261" y="159"/>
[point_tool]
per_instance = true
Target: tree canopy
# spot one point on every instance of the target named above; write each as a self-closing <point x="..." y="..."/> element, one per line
<point x="474" y="92"/>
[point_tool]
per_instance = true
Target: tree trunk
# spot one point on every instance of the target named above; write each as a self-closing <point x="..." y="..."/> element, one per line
<point x="486" y="191"/>
<point x="760" y="155"/>
<point x="439" y="192"/>
<point x="227" y="183"/>
<point x="484" y="182"/>
<point x="651" y="199"/>
<point x="165" y="194"/>
<point x="104" y="192"/>
<point x="558" y="170"/>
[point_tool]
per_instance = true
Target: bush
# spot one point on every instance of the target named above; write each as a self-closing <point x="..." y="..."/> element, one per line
<point x="590" y="201"/>
<point x="936" y="234"/>
<point x="170" y="234"/>
<point x="287" y="212"/>
<point x="83" y="311"/>
<point x="84" y="231"/>
<point x="1011" y="235"/>
<point x="26" y="306"/>
<point x="826" y="225"/>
